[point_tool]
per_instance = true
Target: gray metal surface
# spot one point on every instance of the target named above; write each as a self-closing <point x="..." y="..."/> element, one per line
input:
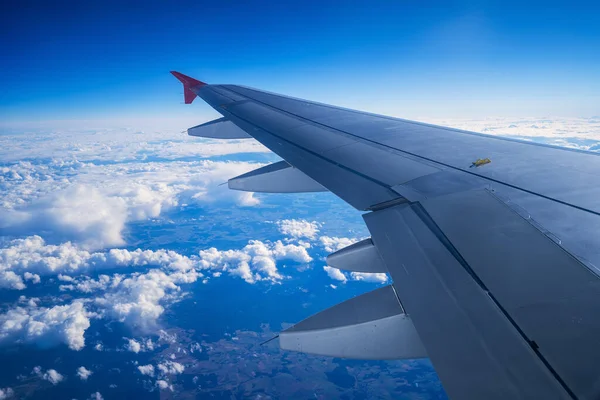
<point x="358" y="257"/>
<point x="218" y="129"/>
<point x="565" y="175"/>
<point x="476" y="350"/>
<point x="279" y="177"/>
<point x="502" y="289"/>
<point x="369" y="326"/>
<point x="549" y="294"/>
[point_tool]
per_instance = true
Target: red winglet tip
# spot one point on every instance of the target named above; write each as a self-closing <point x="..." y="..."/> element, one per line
<point x="188" y="83"/>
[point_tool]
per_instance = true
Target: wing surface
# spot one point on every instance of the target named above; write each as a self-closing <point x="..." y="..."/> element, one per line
<point x="492" y="243"/>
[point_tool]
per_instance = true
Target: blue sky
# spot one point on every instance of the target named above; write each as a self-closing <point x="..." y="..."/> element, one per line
<point x="108" y="60"/>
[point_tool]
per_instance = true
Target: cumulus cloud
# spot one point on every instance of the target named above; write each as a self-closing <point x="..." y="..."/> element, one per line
<point x="84" y="203"/>
<point x="83" y="373"/>
<point x="163" y="385"/>
<point x="298" y="228"/>
<point x="170" y="368"/>
<point x="256" y="261"/>
<point x="34" y="257"/>
<point x="50" y="375"/>
<point x="332" y="244"/>
<point x="10" y="280"/>
<point x="139" y="346"/>
<point x="335" y="274"/>
<point x="146" y="369"/>
<point x="34" y="278"/>
<point x="96" y="396"/>
<point x="338" y="275"/>
<point x="6" y="393"/>
<point x="369" y="277"/>
<point x="46" y="326"/>
<point x="137" y="300"/>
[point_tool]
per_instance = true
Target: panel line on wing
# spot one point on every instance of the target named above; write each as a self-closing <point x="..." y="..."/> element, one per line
<point x="422" y="213"/>
<point x="313" y="122"/>
<point x="330" y="161"/>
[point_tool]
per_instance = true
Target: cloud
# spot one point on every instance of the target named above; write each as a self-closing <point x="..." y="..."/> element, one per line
<point x="332" y="244"/>
<point x="338" y="275"/>
<point x="96" y="396"/>
<point x="298" y="228"/>
<point x="83" y="373"/>
<point x="45" y="326"/>
<point x="369" y="277"/>
<point x="170" y="368"/>
<point x="84" y="203"/>
<point x="146" y="369"/>
<point x="335" y="274"/>
<point x="137" y="300"/>
<point x="10" y="280"/>
<point x="119" y="144"/>
<point x="6" y="393"/>
<point x="163" y="385"/>
<point x="34" y="278"/>
<point x="256" y="261"/>
<point x="50" y="375"/>
<point x="135" y="347"/>
<point x="35" y="257"/>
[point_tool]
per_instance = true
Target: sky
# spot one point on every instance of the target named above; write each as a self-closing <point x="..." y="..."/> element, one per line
<point x="109" y="61"/>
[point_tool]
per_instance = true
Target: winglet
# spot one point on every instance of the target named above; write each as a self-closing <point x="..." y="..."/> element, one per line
<point x="188" y="85"/>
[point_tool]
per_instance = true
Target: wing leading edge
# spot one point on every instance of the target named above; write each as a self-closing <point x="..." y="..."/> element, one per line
<point x="493" y="263"/>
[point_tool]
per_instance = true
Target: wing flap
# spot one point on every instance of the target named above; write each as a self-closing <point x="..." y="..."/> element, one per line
<point x="477" y="351"/>
<point x="369" y="326"/>
<point x="548" y="293"/>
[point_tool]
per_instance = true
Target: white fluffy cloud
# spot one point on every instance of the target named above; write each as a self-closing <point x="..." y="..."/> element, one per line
<point x="332" y="244"/>
<point x="256" y="261"/>
<point x="299" y="228"/>
<point x="6" y="393"/>
<point x="46" y="326"/>
<point x="338" y="275"/>
<point x="90" y="144"/>
<point x="163" y="385"/>
<point x="335" y="274"/>
<point x="83" y="373"/>
<point x="170" y="368"/>
<point x="91" y="204"/>
<point x="50" y="375"/>
<point x="138" y="300"/>
<point x="10" y="280"/>
<point x="33" y="257"/>
<point x="139" y="346"/>
<point x="135" y="298"/>
<point x="146" y="369"/>
<point x="369" y="277"/>
<point x="96" y="396"/>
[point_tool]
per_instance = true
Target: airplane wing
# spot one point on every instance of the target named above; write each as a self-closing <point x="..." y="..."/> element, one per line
<point x="492" y="244"/>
